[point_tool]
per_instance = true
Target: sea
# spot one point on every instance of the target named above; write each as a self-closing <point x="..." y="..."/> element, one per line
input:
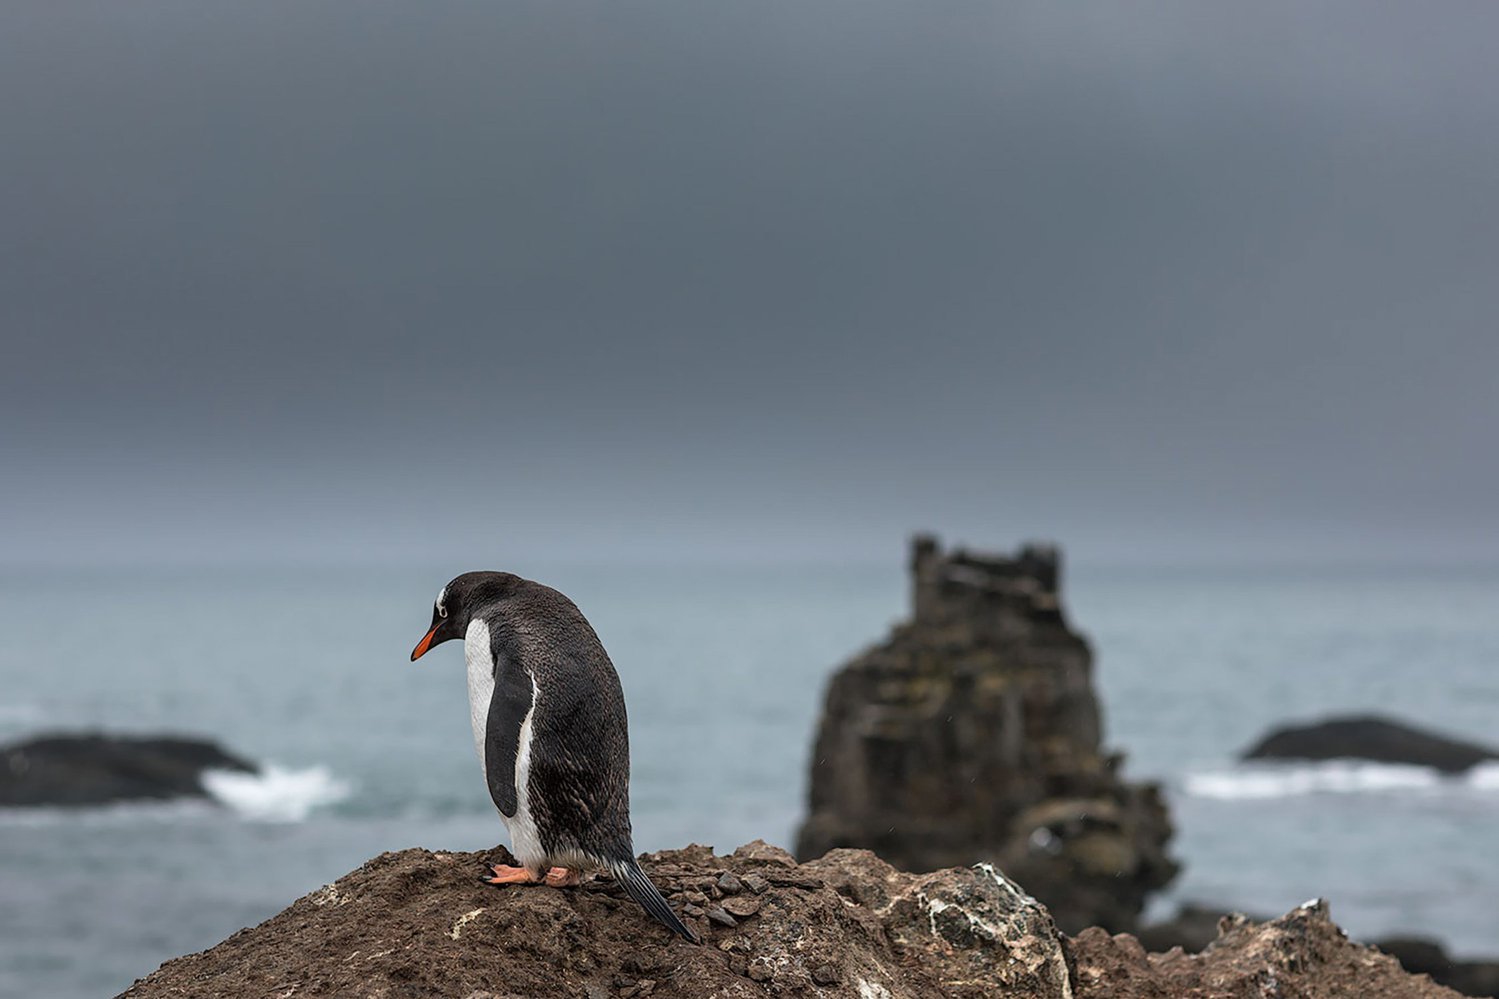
<point x="306" y="672"/>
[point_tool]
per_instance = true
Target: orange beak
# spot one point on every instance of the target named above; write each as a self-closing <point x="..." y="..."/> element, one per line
<point x="424" y="644"/>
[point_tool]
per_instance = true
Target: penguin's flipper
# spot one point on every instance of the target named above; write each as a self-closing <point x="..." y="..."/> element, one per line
<point x="639" y="887"/>
<point x="508" y="708"/>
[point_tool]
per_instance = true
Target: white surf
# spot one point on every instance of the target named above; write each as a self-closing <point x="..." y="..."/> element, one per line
<point x="276" y="794"/>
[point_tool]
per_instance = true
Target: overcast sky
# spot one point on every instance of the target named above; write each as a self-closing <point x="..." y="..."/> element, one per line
<point x="609" y="281"/>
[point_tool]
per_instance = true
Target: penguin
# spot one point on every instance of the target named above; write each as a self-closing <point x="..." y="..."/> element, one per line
<point x="549" y="725"/>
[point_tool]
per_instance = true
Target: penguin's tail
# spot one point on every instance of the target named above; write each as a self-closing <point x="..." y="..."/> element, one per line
<point x="639" y="887"/>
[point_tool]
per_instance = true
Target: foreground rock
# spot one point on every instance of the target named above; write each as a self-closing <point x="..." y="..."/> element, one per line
<point x="973" y="733"/>
<point x="94" y="769"/>
<point x="1369" y="738"/>
<point x="416" y="923"/>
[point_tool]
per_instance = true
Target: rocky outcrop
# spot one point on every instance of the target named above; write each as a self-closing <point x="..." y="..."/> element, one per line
<point x="94" y="769"/>
<point x="1370" y="738"/>
<point x="1302" y="955"/>
<point x="1196" y="927"/>
<point x="973" y="733"/>
<point x="846" y="926"/>
<point x="416" y="923"/>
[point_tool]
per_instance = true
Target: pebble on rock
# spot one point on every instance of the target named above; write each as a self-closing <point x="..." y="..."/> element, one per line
<point x="717" y="915"/>
<point x="742" y="905"/>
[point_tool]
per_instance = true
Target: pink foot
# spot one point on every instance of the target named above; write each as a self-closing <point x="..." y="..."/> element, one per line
<point x="509" y="876"/>
<point x="562" y="877"/>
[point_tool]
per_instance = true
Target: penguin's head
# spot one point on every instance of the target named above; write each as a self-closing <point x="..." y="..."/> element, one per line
<point x="458" y="602"/>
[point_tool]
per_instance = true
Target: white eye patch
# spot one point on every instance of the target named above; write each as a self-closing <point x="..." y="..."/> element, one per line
<point x="441" y="602"/>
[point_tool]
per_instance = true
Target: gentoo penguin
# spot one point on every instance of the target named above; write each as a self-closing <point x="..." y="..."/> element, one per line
<point x="549" y="726"/>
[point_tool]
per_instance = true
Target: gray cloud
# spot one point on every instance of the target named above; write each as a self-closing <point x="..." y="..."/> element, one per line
<point x="380" y="281"/>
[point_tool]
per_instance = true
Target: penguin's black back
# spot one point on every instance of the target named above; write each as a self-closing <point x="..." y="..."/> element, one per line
<point x="579" y="786"/>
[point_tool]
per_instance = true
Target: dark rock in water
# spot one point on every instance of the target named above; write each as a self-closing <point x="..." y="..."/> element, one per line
<point x="1369" y="738"/>
<point x="973" y="734"/>
<point x="847" y="926"/>
<point x="94" y="769"/>
<point x="1420" y="956"/>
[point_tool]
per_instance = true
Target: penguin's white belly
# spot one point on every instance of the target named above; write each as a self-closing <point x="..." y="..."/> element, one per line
<point x="524" y="840"/>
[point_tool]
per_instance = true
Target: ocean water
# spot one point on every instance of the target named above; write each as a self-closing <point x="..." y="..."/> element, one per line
<point x="306" y="671"/>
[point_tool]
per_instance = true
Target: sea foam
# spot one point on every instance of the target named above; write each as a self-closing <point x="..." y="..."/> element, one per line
<point x="276" y="794"/>
<point x="1485" y="776"/>
<point x="1324" y="777"/>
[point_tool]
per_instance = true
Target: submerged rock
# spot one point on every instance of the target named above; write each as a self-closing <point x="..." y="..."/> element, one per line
<point x="973" y="733"/>
<point x="847" y="926"/>
<point x="95" y="769"/>
<point x="1369" y="738"/>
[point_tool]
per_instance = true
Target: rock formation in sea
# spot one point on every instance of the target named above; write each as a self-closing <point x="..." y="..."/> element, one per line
<point x="94" y="769"/>
<point x="1370" y="738"/>
<point x="973" y="733"/>
<point x="417" y="923"/>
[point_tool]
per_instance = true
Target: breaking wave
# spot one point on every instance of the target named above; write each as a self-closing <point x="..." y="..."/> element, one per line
<point x="276" y="794"/>
<point x="1332" y="777"/>
<point x="1485" y="776"/>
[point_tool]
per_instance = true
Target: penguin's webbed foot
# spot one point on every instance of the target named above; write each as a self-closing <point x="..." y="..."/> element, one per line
<point x="563" y="877"/>
<point x="504" y="875"/>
